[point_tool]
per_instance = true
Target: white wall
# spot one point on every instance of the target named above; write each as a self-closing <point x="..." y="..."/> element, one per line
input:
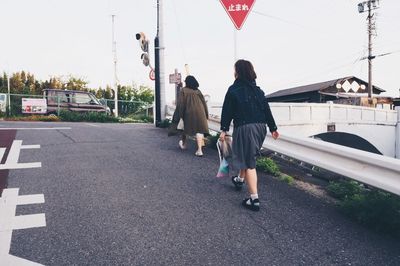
<point x="309" y="119"/>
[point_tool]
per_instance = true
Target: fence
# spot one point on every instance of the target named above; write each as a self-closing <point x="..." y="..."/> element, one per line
<point x="11" y="105"/>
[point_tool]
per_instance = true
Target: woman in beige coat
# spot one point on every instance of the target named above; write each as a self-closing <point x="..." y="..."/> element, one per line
<point x="192" y="108"/>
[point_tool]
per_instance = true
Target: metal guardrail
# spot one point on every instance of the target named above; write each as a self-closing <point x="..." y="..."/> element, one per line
<point x="372" y="169"/>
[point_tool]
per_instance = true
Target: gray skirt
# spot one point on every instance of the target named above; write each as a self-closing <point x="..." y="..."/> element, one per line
<point x="246" y="144"/>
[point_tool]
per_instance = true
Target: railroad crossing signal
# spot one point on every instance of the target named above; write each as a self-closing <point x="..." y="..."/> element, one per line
<point x="144" y="45"/>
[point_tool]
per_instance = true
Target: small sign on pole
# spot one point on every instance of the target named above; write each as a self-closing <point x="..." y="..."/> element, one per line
<point x="175" y="78"/>
<point x="152" y="74"/>
<point x="238" y="10"/>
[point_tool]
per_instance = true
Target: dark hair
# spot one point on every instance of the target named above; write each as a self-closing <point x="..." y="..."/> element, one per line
<point x="191" y="82"/>
<point x="245" y="70"/>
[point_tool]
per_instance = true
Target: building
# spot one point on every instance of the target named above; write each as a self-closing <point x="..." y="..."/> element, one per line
<point x="348" y="90"/>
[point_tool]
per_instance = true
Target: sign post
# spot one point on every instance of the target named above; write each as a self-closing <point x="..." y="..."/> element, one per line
<point x="176" y="79"/>
<point x="237" y="10"/>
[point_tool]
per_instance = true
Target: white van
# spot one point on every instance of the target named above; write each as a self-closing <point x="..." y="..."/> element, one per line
<point x="3" y="102"/>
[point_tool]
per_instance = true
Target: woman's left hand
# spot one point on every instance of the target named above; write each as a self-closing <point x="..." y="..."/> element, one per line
<point x="275" y="134"/>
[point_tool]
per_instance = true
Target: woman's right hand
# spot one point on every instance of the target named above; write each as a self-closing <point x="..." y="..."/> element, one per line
<point x="222" y="136"/>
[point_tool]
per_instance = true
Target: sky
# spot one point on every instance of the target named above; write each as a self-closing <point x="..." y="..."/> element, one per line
<point x="290" y="43"/>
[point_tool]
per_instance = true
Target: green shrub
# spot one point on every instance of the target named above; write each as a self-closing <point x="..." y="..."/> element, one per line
<point x="86" y="117"/>
<point x="212" y="140"/>
<point x="286" y="178"/>
<point x="268" y="165"/>
<point x="341" y="190"/>
<point x="43" y="118"/>
<point x="136" y="119"/>
<point x="371" y="207"/>
<point x="165" y="123"/>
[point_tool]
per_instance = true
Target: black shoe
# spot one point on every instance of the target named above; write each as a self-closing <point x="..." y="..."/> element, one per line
<point x="238" y="184"/>
<point x="250" y="204"/>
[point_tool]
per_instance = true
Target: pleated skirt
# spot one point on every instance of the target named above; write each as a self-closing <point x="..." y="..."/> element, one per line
<point x="247" y="141"/>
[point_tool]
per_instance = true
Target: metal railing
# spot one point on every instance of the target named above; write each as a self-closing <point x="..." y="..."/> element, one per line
<point x="372" y="169"/>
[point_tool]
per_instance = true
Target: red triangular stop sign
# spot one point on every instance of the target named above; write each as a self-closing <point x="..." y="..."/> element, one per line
<point x="238" y="10"/>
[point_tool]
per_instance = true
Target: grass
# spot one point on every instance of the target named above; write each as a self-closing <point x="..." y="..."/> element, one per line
<point x="371" y="207"/>
<point x="268" y="165"/>
<point x="136" y="119"/>
<point x="43" y="118"/>
<point x="286" y="178"/>
<point x="86" y="117"/>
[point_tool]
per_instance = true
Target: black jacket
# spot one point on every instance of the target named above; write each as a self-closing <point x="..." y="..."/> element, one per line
<point x="246" y="103"/>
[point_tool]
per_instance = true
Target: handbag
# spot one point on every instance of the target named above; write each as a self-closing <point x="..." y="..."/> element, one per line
<point x="180" y="125"/>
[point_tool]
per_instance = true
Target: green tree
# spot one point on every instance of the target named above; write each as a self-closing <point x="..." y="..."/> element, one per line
<point x="100" y="93"/>
<point x="78" y="84"/>
<point x="109" y="94"/>
<point x="55" y="83"/>
<point x="16" y="83"/>
<point x="3" y="83"/>
<point x="143" y="94"/>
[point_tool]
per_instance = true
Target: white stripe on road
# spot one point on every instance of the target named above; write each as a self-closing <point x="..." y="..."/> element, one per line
<point x="2" y="151"/>
<point x="34" y="128"/>
<point x="92" y="125"/>
<point x="13" y="156"/>
<point x="15" y="166"/>
<point x="30" y="147"/>
<point x="9" y="222"/>
<point x="28" y="221"/>
<point x="30" y="199"/>
<point x="14" y="152"/>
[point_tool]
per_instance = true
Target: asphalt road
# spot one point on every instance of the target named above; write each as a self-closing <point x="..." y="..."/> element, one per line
<point x="124" y="194"/>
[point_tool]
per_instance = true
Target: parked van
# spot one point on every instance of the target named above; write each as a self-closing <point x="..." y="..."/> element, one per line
<point x="75" y="101"/>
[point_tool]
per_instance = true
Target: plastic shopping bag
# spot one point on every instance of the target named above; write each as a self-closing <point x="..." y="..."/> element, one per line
<point x="225" y="152"/>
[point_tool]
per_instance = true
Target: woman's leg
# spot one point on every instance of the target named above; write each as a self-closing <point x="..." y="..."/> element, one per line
<point x="252" y="203"/>
<point x="200" y="141"/>
<point x="242" y="173"/>
<point x="251" y="180"/>
<point x="182" y="142"/>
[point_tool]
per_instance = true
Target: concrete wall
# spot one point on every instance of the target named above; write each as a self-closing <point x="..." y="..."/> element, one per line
<point x="374" y="125"/>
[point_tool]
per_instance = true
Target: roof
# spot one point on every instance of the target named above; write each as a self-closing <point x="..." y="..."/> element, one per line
<point x="317" y="87"/>
<point x="71" y="91"/>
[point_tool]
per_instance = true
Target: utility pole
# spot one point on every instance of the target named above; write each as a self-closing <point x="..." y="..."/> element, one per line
<point x="159" y="66"/>
<point x="114" y="50"/>
<point x="370" y="5"/>
<point x="9" y="98"/>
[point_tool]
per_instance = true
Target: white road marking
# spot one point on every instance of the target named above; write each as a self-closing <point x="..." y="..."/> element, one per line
<point x="10" y="222"/>
<point x="34" y="128"/>
<point x="2" y="151"/>
<point x="13" y="156"/>
<point x="92" y="125"/>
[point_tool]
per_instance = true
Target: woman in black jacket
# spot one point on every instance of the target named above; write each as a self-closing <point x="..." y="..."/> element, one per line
<point x="246" y="105"/>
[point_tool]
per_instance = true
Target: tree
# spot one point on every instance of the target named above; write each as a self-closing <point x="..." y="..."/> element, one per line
<point x="109" y="94"/>
<point x="16" y="84"/>
<point x="78" y="84"/>
<point x="3" y="83"/>
<point x="143" y="94"/>
<point x="55" y="83"/>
